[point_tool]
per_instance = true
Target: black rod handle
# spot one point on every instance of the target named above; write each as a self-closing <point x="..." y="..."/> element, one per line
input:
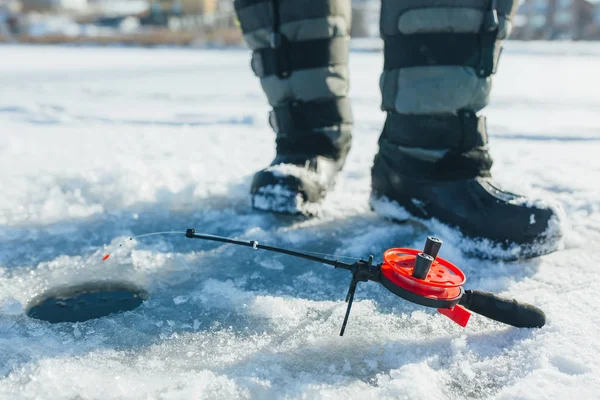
<point x="508" y="311"/>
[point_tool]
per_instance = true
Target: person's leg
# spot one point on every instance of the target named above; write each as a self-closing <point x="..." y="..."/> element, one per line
<point x="300" y="54"/>
<point x="433" y="158"/>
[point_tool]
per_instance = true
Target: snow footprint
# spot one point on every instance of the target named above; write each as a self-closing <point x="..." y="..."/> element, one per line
<point x="569" y="366"/>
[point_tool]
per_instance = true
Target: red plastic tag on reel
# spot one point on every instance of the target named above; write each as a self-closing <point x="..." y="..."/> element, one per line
<point x="441" y="288"/>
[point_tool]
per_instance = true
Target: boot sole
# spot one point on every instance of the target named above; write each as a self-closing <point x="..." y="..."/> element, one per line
<point x="275" y="197"/>
<point x="475" y="247"/>
<point x="278" y="199"/>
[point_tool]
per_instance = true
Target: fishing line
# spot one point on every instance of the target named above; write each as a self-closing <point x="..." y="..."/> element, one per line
<point x="157" y="233"/>
<point x="107" y="255"/>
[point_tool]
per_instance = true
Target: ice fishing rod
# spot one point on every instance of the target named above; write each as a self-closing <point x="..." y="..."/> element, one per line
<point x="420" y="277"/>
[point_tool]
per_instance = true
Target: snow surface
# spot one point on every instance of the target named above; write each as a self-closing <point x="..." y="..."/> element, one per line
<point x="98" y="144"/>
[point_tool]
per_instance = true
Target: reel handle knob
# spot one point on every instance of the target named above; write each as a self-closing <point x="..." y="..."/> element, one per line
<point x="422" y="265"/>
<point x="508" y="311"/>
<point x="432" y="246"/>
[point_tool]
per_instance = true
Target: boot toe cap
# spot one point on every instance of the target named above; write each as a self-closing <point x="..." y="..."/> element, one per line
<point x="536" y="221"/>
<point x="291" y="179"/>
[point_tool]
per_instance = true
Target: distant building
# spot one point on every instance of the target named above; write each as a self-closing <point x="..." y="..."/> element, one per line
<point x="118" y="8"/>
<point x="554" y="19"/>
<point x="53" y="5"/>
<point x="594" y="30"/>
<point x="9" y="9"/>
<point x="365" y="18"/>
<point x="187" y="7"/>
<point x="10" y="6"/>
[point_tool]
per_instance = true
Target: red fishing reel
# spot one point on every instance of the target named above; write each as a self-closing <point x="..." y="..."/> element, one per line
<point x="425" y="279"/>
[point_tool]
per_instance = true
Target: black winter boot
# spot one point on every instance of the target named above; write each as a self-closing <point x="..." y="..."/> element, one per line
<point x="457" y="188"/>
<point x="305" y="167"/>
<point x="300" y="54"/>
<point x="433" y="161"/>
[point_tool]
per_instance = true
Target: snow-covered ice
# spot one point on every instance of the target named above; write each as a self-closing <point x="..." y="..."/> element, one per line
<point x="99" y="144"/>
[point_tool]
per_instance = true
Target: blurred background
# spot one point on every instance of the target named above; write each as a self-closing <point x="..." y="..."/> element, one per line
<point x="213" y="22"/>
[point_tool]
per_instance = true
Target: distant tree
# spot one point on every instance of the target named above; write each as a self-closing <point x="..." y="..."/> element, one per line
<point x="550" y="31"/>
<point x="360" y="26"/>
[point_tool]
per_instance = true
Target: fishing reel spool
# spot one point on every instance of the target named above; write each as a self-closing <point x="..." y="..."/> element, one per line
<point x="422" y="277"/>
